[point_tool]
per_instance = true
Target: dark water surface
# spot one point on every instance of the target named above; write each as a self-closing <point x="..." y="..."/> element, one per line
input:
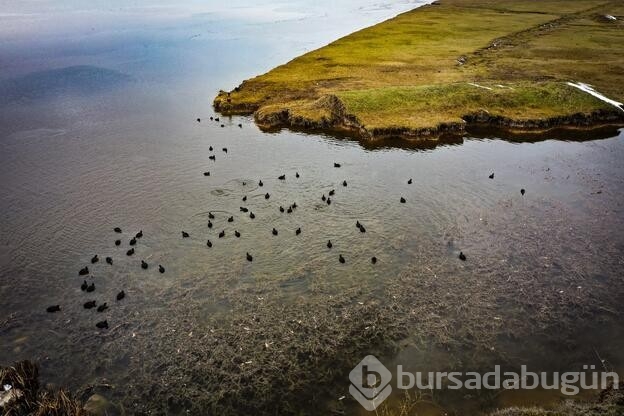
<point x="97" y="130"/>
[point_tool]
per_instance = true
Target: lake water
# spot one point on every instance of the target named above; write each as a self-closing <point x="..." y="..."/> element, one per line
<point x="98" y="129"/>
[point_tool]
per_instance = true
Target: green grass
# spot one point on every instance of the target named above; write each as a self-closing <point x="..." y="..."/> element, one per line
<point x="404" y="73"/>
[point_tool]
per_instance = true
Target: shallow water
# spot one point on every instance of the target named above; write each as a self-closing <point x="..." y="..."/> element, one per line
<point x="115" y="143"/>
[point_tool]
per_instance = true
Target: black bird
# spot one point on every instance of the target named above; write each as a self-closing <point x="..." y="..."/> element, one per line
<point x="294" y="205"/>
<point x="130" y="252"/>
<point x="274" y="231"/>
<point x="344" y="183"/>
<point x="121" y="295"/>
<point x="249" y="257"/>
<point x="84" y="271"/>
<point x="323" y="198"/>
<point x="328" y="201"/>
<point x="282" y="178"/>
<point x="245" y="198"/>
<point x="89" y="305"/>
<point x="117" y="242"/>
<point x="462" y="256"/>
<point x="522" y="191"/>
<point x="109" y="260"/>
<point x="91" y="287"/>
<point x="199" y="120"/>
<point x="237" y="234"/>
<point x="244" y="183"/>
<point x="210" y="148"/>
<point x="209" y="224"/>
<point x="222" y="234"/>
<point x="341" y="259"/>
<point x="267" y="196"/>
<point x="240" y="125"/>
<point x="133" y="241"/>
<point x="212" y="157"/>
<point x="296" y="174"/>
<point x="252" y="215"/>
<point x="211" y="215"/>
<point x="362" y="229"/>
<point x="289" y="211"/>
<point x="491" y="176"/>
<point x="243" y="209"/>
<point x="281" y="208"/>
<point x="102" y="325"/>
<point x="143" y="264"/>
<point x="94" y="259"/>
<point x="84" y="285"/>
<point x="336" y="165"/>
<point x="216" y="119"/>
<point x="231" y="219"/>
<point x="161" y="268"/>
<point x="329" y="244"/>
<point x="260" y="183"/>
<point x="332" y="192"/>
<point x="409" y="182"/>
<point x="185" y="234"/>
<point x="374" y="260"/>
<point x="298" y="231"/>
<point x="403" y="200"/>
<point x="224" y="150"/>
<point x="102" y="307"/>
<point x="222" y="125"/>
<point x="209" y="243"/>
<point x="54" y="308"/>
<point x="206" y="173"/>
<point x="117" y="230"/>
<point x="139" y="234"/>
<point x="357" y="224"/>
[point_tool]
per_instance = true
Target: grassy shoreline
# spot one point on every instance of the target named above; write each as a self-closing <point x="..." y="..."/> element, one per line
<point x="442" y="67"/>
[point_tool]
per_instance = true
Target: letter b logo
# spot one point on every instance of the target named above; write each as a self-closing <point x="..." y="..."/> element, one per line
<point x="370" y="383"/>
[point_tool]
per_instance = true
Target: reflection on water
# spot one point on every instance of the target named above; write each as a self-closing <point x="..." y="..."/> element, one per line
<point x="83" y="150"/>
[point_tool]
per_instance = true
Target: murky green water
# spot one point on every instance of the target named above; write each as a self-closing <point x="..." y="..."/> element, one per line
<point x="86" y="150"/>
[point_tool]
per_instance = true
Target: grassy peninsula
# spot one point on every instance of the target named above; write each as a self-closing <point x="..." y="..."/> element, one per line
<point x="441" y="67"/>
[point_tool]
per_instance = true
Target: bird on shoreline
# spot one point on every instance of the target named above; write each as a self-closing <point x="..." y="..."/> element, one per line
<point x="53" y="308"/>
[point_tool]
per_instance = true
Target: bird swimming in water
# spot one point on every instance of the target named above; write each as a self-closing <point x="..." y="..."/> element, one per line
<point x="210" y="148"/>
<point x="54" y="308"/>
<point x="222" y="234"/>
<point x="282" y="178"/>
<point x="211" y="215"/>
<point x="224" y="150"/>
<point x="357" y="224"/>
<point x="102" y="307"/>
<point x="374" y="260"/>
<point x="91" y="287"/>
<point x="139" y="234"/>
<point x="185" y="234"/>
<point x="344" y="183"/>
<point x="216" y="119"/>
<point x="260" y="183"/>
<point x="143" y="265"/>
<point x="491" y="176"/>
<point x="296" y="174"/>
<point x="209" y="224"/>
<point x="281" y="208"/>
<point x="240" y="126"/>
<point x="94" y="259"/>
<point x="84" y="286"/>
<point x="341" y="259"/>
<point x="84" y="271"/>
<point x="274" y="231"/>
<point x="237" y="234"/>
<point x="328" y="201"/>
<point x="109" y="260"/>
<point x="409" y="182"/>
<point x="121" y="295"/>
<point x="206" y="173"/>
<point x="102" y="325"/>
<point x="462" y="256"/>
<point x="231" y="219"/>
<point x="209" y="243"/>
<point x="89" y="305"/>
<point x="212" y="157"/>
<point x="289" y="211"/>
<point x="252" y="215"/>
<point x="522" y="192"/>
<point x="267" y="196"/>
<point x="161" y="268"/>
<point x="199" y="120"/>
<point x="117" y="242"/>
<point x="332" y="192"/>
<point x="130" y="252"/>
<point x="329" y="244"/>
<point x="294" y="205"/>
<point x="323" y="198"/>
<point x="243" y="209"/>
<point x="337" y="165"/>
<point x="245" y="198"/>
<point x="403" y="200"/>
<point x="249" y="257"/>
<point x="117" y="229"/>
<point x="133" y="241"/>
<point x="362" y="229"/>
<point x="298" y="231"/>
